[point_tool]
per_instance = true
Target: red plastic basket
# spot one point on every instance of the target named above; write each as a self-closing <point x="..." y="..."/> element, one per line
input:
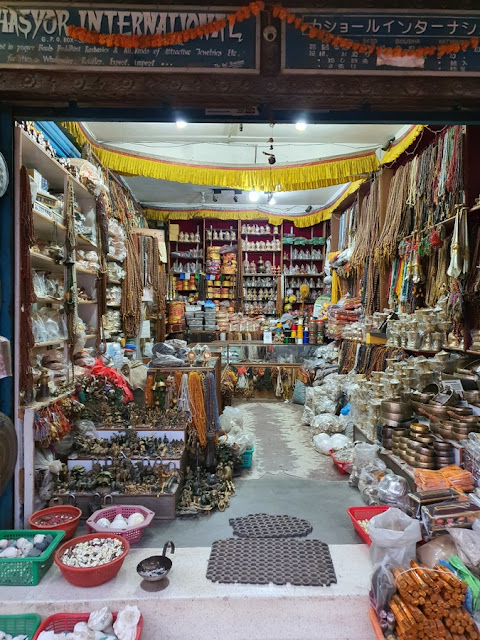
<point x="91" y="576"/>
<point x="64" y="622"/>
<point x="132" y="534"/>
<point x="343" y="467"/>
<point x="375" y="624"/>
<point x="69" y="527"/>
<point x="364" y="513"/>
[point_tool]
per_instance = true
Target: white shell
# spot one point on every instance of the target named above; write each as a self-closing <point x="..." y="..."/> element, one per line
<point x="135" y="518"/>
<point x="119" y="525"/>
<point x="26" y="549"/>
<point x="9" y="552"/>
<point x="21" y="543"/>
<point x="119" y="517"/>
<point x="39" y="538"/>
<point x="3" y="545"/>
<point x="104" y="523"/>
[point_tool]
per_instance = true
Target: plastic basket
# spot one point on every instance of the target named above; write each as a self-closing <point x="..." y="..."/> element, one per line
<point x="375" y="625"/>
<point x="69" y="527"/>
<point x="364" y="513"/>
<point x="91" y="576"/>
<point x="25" y="624"/>
<point x="64" y="622"/>
<point x="132" y="534"/>
<point x="247" y="458"/>
<point x="25" y="572"/>
<point x="343" y="467"/>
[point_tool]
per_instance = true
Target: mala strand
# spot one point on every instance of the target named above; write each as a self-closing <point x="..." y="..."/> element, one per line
<point x="183" y="403"/>
<point x="132" y="290"/>
<point x="197" y="407"/>
<point x="211" y="404"/>
<point x="27" y="292"/>
<point x="387" y="242"/>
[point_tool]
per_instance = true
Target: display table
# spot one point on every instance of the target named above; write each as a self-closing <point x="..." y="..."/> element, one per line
<point x="192" y="606"/>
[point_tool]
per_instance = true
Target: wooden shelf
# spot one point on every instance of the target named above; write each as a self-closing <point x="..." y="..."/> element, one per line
<point x="261" y="250"/>
<point x="113" y="259"/>
<point x="262" y="275"/>
<point x="81" y="269"/>
<point x="114" y="282"/>
<point x="47" y="300"/>
<point x="46" y="227"/>
<point x="84" y="241"/>
<point x="113" y="306"/>
<point x="87" y="301"/>
<point x="35" y="157"/>
<point x="45" y="263"/>
<point x="49" y="343"/>
<point x="89" y="336"/>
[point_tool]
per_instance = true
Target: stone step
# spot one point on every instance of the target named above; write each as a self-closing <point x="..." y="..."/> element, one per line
<point x="189" y="606"/>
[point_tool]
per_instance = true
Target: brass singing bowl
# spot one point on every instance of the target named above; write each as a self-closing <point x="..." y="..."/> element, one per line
<point x="442" y="446"/>
<point x="426" y="465"/>
<point x="424" y="398"/>
<point x="410" y="460"/>
<point x="418" y="427"/>
<point x="425" y="439"/>
<point x="421" y="458"/>
<point x="395" y="417"/>
<point x="463" y="417"/>
<point x="432" y="409"/>
<point x="395" y="406"/>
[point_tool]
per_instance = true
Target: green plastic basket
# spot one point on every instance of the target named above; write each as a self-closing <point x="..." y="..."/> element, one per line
<point x="25" y="572"/>
<point x="24" y="625"/>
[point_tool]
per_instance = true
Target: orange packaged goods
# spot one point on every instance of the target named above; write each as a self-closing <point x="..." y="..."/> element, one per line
<point x="448" y="477"/>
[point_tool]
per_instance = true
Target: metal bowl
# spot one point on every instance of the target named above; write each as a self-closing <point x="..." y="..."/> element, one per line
<point x="156" y="568"/>
<point x="420" y="458"/>
<point x="426" y="465"/>
<point x="425" y="439"/>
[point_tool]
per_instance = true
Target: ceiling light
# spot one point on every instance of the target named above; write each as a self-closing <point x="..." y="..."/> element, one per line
<point x="308" y="209"/>
<point x="235" y="198"/>
<point x="215" y="197"/>
<point x="181" y="124"/>
<point x="301" y="125"/>
<point x="253" y="196"/>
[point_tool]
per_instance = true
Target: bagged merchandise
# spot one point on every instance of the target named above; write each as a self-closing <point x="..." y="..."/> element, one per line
<point x="394" y="538"/>
<point x="383" y="587"/>
<point x="392" y="491"/>
<point x="370" y="476"/>
<point x="325" y="443"/>
<point x="298" y="396"/>
<point x="467" y="544"/>
<point x="231" y="417"/>
<point x="440" y="548"/>
<point x="307" y="416"/>
<point x="326" y="423"/>
<point x="364" y="454"/>
<point x="46" y="467"/>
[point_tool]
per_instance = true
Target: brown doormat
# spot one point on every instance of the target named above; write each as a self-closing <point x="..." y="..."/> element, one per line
<point x="262" y="525"/>
<point x="265" y="560"/>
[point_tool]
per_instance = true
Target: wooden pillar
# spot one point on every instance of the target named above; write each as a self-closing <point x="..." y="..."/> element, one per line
<point x="385" y="179"/>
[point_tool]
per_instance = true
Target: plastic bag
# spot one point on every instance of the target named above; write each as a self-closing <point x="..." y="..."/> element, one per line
<point x="307" y="416"/>
<point x="467" y="545"/>
<point x="338" y="441"/>
<point x="394" y="537"/>
<point x="125" y="626"/>
<point x="322" y="443"/>
<point x="383" y="587"/>
<point x="326" y="423"/>
<point x="231" y="417"/>
<point x="440" y="548"/>
<point x="298" y="396"/>
<point x="370" y="477"/>
<point x="364" y="453"/>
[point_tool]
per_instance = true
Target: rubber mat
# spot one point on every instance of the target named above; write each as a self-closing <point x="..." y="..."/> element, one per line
<point x="262" y="525"/>
<point x="265" y="560"/>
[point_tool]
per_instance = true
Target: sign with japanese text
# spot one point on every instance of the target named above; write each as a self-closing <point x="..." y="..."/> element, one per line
<point x="34" y="36"/>
<point x="412" y="30"/>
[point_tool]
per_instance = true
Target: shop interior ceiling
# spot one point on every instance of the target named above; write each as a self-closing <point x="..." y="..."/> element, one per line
<point x="233" y="145"/>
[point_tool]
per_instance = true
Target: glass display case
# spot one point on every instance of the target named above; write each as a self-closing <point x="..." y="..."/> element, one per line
<point x="258" y="352"/>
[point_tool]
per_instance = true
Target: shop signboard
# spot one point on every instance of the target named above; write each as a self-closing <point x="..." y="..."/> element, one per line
<point x="36" y="37"/>
<point x="386" y="29"/>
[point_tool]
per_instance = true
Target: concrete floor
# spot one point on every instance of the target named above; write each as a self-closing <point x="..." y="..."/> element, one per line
<point x="288" y="476"/>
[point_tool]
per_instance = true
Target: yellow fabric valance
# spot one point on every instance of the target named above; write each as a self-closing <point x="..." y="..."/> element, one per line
<point x="402" y="144"/>
<point x="305" y="220"/>
<point x="292" y="177"/>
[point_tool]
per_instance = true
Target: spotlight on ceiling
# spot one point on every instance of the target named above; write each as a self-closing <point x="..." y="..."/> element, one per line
<point x="235" y="198"/>
<point x="215" y="197"/>
<point x="253" y="196"/>
<point x="308" y="209"/>
<point x="300" y="125"/>
<point x="181" y="124"/>
<point x="388" y="144"/>
<point x="202" y="197"/>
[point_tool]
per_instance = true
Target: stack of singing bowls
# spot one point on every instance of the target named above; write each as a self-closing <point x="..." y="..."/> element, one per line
<point x="399" y="439"/>
<point x="394" y="417"/>
<point x="443" y="454"/>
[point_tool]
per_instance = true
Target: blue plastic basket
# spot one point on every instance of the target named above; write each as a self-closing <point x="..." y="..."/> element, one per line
<point x="247" y="458"/>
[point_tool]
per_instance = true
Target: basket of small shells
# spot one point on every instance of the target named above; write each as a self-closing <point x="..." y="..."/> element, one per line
<point x="26" y="556"/>
<point x="361" y="516"/>
<point x="65" y="517"/>
<point x="88" y="561"/>
<point x="126" y="521"/>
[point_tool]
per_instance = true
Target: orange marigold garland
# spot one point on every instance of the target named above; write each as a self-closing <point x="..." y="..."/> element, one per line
<point x="253" y="9"/>
<point x="157" y="40"/>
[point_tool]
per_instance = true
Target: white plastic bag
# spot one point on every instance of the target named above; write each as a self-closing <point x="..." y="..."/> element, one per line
<point x="326" y="423"/>
<point x="307" y="416"/>
<point x="322" y="443"/>
<point x="394" y="538"/>
<point x="468" y="544"/>
<point x="338" y="441"/>
<point x="231" y="417"/>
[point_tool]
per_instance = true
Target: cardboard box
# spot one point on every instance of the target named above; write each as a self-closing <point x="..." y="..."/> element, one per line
<point x="39" y="180"/>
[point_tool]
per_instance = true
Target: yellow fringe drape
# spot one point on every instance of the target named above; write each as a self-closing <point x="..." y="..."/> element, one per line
<point x="324" y="213"/>
<point x="293" y="177"/>
<point x="402" y="144"/>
